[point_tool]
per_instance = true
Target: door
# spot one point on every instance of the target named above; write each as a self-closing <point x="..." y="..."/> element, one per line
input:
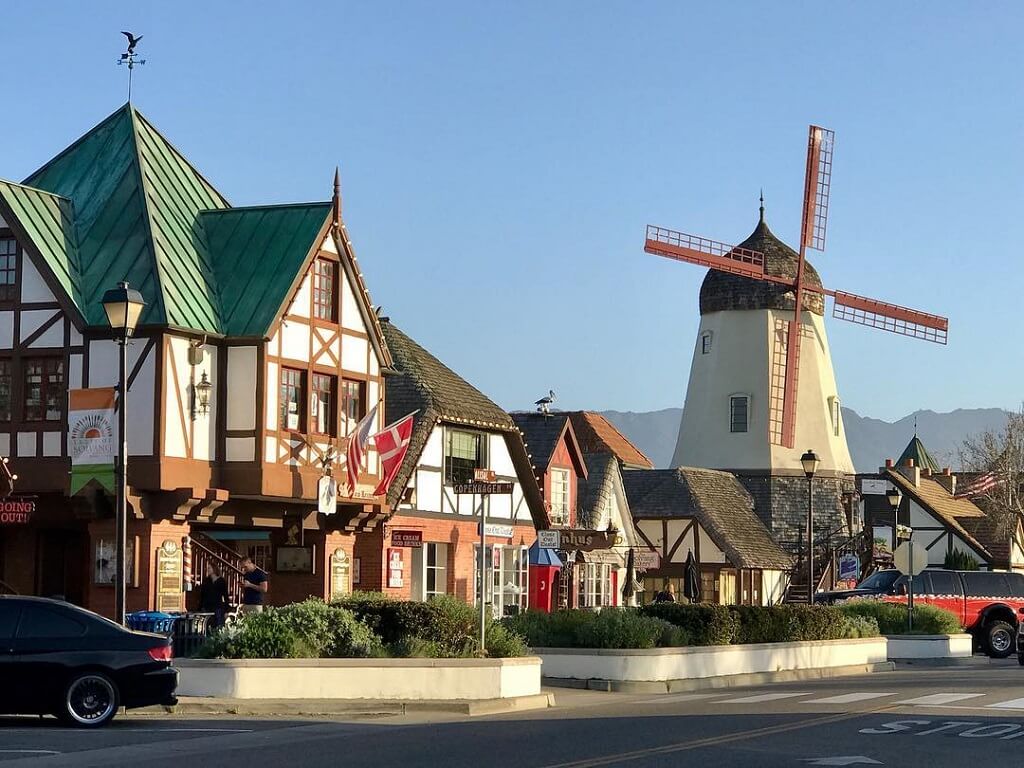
<point x="12" y="680"/>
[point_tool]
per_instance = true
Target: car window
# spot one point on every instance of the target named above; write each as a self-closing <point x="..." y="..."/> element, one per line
<point x="982" y="584"/>
<point x="920" y="585"/>
<point x="1016" y="582"/>
<point x="945" y="583"/>
<point x="882" y="580"/>
<point x="8" y="618"/>
<point x="38" y="621"/>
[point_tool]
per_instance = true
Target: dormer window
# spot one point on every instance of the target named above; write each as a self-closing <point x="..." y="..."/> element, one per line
<point x="325" y="290"/>
<point x="559" y="497"/>
<point x="8" y="269"/>
<point x="705" y="343"/>
<point x="739" y="412"/>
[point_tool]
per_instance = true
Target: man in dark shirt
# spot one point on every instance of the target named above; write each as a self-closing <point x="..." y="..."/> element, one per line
<point x="254" y="585"/>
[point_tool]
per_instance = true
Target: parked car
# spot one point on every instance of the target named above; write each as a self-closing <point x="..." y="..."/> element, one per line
<point x="877" y="584"/>
<point x="58" y="659"/>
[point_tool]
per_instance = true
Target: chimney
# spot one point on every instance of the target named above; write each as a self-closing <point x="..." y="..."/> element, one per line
<point x="927" y="472"/>
<point x="947" y="480"/>
<point x="909" y="471"/>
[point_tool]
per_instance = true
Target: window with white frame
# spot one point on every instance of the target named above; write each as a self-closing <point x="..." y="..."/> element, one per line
<point x="507" y="582"/>
<point x="435" y="569"/>
<point x="559" y="496"/>
<point x="836" y="415"/>
<point x="464" y="452"/>
<point x="705" y="342"/>
<point x="739" y="413"/>
<point x="595" y="586"/>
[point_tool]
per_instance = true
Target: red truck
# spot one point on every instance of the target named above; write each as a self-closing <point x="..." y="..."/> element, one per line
<point x="987" y="602"/>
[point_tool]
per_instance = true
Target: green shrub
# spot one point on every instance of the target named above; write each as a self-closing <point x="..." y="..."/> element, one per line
<point x="621" y="628"/>
<point x="549" y="630"/>
<point x="256" y="636"/>
<point x="703" y="624"/>
<point x="791" y="623"/>
<point x="503" y="643"/>
<point x="332" y="631"/>
<point x="892" y="617"/>
<point x="391" y="620"/>
<point x="454" y="626"/>
<point x="860" y="626"/>
<point x="609" y="628"/>
<point x="960" y="561"/>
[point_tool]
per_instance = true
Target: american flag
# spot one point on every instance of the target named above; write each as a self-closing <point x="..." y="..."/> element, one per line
<point x="980" y="485"/>
<point x="357" y="442"/>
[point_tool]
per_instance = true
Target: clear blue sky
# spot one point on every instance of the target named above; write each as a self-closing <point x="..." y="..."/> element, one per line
<point x="500" y="160"/>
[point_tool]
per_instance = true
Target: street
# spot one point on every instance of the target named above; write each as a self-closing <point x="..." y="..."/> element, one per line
<point x="913" y="717"/>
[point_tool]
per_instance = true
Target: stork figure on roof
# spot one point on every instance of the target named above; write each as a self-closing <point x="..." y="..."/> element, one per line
<point x="761" y="378"/>
<point x="544" y="404"/>
<point x="130" y="58"/>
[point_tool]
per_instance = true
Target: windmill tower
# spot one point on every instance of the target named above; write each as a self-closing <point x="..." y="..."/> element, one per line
<point x="762" y="388"/>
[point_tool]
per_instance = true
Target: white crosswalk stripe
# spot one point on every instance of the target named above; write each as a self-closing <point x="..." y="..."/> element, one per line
<point x="1011" y="704"/>
<point x="849" y="698"/>
<point x="938" y="699"/>
<point x="763" y="697"/>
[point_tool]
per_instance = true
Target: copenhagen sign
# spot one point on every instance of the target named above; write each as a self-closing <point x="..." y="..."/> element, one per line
<point x="482" y="488"/>
<point x="15" y="511"/>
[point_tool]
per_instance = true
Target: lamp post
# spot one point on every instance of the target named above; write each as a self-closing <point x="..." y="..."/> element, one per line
<point x="894" y="496"/>
<point x="123" y="306"/>
<point x="810" y="464"/>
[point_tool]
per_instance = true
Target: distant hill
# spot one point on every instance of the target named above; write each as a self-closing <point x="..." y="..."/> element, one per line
<point x="871" y="440"/>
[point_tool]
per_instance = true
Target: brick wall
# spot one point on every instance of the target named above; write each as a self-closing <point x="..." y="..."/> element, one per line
<point x="285" y="588"/>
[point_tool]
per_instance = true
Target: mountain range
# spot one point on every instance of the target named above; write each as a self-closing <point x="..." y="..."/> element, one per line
<point x="871" y="441"/>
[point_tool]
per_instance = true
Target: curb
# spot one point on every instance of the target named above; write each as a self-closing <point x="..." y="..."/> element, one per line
<point x="724" y="681"/>
<point x="350" y="707"/>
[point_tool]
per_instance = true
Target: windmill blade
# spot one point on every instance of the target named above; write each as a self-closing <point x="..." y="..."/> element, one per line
<point x="707" y="253"/>
<point x="889" y="317"/>
<point x="817" y="182"/>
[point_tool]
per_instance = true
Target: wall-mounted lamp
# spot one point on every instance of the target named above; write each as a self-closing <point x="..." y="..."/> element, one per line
<point x="201" y="396"/>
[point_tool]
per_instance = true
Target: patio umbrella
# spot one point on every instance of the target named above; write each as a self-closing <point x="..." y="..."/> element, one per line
<point x="629" y="588"/>
<point x="691" y="579"/>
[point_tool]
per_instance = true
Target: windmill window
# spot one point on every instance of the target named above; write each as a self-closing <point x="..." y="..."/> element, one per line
<point x="325" y="290"/>
<point x="739" y="413"/>
<point x="8" y="269"/>
<point x="836" y="415"/>
<point x="705" y="342"/>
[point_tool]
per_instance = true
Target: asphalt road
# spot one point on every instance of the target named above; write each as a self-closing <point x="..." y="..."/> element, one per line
<point x="919" y="717"/>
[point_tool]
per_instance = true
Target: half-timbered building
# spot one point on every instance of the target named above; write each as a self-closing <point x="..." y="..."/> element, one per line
<point x="255" y="355"/>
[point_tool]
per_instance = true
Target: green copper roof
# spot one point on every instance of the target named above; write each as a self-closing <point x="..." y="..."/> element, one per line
<point x="915" y="450"/>
<point x="49" y="223"/>
<point x="257" y="252"/>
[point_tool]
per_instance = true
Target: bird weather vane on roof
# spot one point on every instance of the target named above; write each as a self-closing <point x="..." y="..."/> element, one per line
<point x="544" y="404"/>
<point x="130" y="58"/>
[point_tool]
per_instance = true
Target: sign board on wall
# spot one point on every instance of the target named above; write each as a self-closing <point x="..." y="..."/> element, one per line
<point x="646" y="559"/>
<point x="870" y="487"/>
<point x="291" y="559"/>
<point x="339" y="574"/>
<point x="16" y="511"/>
<point x="586" y="541"/>
<point x="396" y="566"/>
<point x="169" y="594"/>
<point x="497" y="531"/>
<point x="408" y="539"/>
<point x="548" y="539"/>
<point x="849" y="567"/>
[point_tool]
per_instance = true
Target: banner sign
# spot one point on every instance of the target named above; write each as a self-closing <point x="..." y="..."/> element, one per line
<point x="91" y="437"/>
<point x="410" y="539"/>
<point x="396" y="568"/>
<point x="548" y="539"/>
<point x="849" y="568"/>
<point x="586" y="541"/>
<point x="16" y="511"/>
<point x="498" y="531"/>
<point x="646" y="559"/>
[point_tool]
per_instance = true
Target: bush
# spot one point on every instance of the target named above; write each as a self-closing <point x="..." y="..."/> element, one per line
<point x="792" y="623"/>
<point x="454" y="626"/>
<point x="861" y="626"/>
<point x="703" y="624"/>
<point x="892" y="617"/>
<point x="549" y="630"/>
<point x="332" y="631"/>
<point x="256" y="636"/>
<point x="503" y="643"/>
<point x="392" y="620"/>
<point x="960" y="561"/>
<point x="610" y="628"/>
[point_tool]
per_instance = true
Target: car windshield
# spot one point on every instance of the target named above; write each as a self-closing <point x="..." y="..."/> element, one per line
<point x="882" y="580"/>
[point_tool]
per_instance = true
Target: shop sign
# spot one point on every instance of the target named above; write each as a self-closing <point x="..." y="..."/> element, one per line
<point x="849" y="567"/>
<point x="482" y="489"/>
<point x="497" y="531"/>
<point x="870" y="487"/>
<point x="327" y="495"/>
<point x="15" y="511"/>
<point x="409" y="539"/>
<point x="548" y="539"/>
<point x="169" y="594"/>
<point x="396" y="566"/>
<point x="586" y="541"/>
<point x="646" y="559"/>
<point x="91" y="437"/>
<point x="339" y="574"/>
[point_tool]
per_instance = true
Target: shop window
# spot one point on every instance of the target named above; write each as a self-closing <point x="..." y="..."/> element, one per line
<point x="463" y="452"/>
<point x="325" y="290"/>
<point x="595" y="586"/>
<point x="429" y="570"/>
<point x="353" y="403"/>
<point x="322" y="404"/>
<point x="739" y="408"/>
<point x="45" y="392"/>
<point x="8" y="269"/>
<point x="507" y="581"/>
<point x="559" y="496"/>
<point x="291" y="398"/>
<point x="5" y="390"/>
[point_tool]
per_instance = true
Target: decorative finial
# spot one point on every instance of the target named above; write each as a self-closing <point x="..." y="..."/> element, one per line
<point x="761" y="209"/>
<point x="336" y="199"/>
<point x="130" y="58"/>
<point x="915" y="426"/>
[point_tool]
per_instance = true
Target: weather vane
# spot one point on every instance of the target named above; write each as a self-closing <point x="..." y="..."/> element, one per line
<point x="130" y="58"/>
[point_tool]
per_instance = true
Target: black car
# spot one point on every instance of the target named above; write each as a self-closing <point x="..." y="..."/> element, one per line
<point x="877" y="584"/>
<point x="62" y="660"/>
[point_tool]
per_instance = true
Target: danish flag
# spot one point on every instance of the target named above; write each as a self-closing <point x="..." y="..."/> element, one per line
<point x="392" y="444"/>
<point x="357" y="443"/>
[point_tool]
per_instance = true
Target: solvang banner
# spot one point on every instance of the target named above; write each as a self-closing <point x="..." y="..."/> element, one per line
<point x="91" y="437"/>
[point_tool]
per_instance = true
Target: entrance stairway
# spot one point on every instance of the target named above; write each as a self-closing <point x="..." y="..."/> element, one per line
<point x="228" y="562"/>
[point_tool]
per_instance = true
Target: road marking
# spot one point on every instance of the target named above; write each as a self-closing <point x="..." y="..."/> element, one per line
<point x="844" y="760"/>
<point x="192" y="730"/>
<point x="668" y="698"/>
<point x="938" y="699"/>
<point x="1011" y="704"/>
<point x="29" y="752"/>
<point x="848" y="698"/>
<point x="763" y="697"/>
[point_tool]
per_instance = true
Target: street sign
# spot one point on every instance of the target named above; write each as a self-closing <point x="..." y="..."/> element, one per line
<point x="327" y="495"/>
<point x="548" y="540"/>
<point x="482" y="488"/>
<point x="409" y="539"/>
<point x="484" y="475"/>
<point x="910" y="558"/>
<point x="849" y="567"/>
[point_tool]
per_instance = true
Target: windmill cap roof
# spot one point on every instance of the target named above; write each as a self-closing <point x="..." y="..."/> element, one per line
<point x="722" y="291"/>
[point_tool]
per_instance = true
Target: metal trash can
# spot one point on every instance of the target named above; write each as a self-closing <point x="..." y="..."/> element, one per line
<point x="190" y="631"/>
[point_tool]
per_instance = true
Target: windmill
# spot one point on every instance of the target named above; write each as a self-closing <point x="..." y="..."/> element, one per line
<point x="750" y="263"/>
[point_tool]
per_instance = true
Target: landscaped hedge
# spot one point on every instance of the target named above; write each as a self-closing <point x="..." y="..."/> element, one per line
<point x="611" y="628"/>
<point x="704" y="624"/>
<point x="892" y="617"/>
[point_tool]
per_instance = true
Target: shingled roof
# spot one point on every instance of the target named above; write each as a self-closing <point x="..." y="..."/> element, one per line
<point x="596" y="490"/>
<point x="724" y="291"/>
<point x="598" y="435"/>
<point x="424" y="383"/>
<point x="718" y="501"/>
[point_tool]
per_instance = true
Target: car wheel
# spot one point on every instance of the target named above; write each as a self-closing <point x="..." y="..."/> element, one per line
<point x="999" y="639"/>
<point x="90" y="700"/>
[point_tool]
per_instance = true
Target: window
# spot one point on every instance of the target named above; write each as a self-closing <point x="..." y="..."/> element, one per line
<point x="325" y="282"/>
<point x="944" y="583"/>
<point x="705" y="342"/>
<point x="560" y="497"/>
<point x="836" y="414"/>
<point x="436" y="570"/>
<point x="507" y="581"/>
<point x="982" y="584"/>
<point x="353" y="402"/>
<point x="8" y="269"/>
<point x="595" y="587"/>
<point x="37" y="621"/>
<point x="5" y="390"/>
<point x="291" y="398"/>
<point x="739" y="406"/>
<point x="8" y="619"/>
<point x="322" y="402"/>
<point x="463" y="452"/>
<point x="44" y="389"/>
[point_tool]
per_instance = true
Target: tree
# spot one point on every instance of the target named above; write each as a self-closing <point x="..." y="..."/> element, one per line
<point x="1001" y="453"/>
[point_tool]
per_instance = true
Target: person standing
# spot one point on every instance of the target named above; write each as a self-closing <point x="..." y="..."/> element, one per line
<point x="255" y="586"/>
<point x="213" y="595"/>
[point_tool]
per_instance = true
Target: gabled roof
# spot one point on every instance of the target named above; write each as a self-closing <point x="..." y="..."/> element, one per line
<point x="597" y="490"/>
<point x="542" y="433"/>
<point x="915" y="450"/>
<point x="598" y="435"/>
<point x="718" y="501"/>
<point x="424" y="383"/>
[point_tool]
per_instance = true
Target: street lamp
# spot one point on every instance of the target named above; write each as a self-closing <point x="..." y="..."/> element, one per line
<point x="810" y="464"/>
<point x="123" y="306"/>
<point x="894" y="496"/>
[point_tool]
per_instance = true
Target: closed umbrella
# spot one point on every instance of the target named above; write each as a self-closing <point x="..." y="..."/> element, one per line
<point x="691" y="580"/>
<point x="629" y="588"/>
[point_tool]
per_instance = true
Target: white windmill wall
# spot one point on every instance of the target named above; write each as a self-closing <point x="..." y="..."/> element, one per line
<point x="739" y="363"/>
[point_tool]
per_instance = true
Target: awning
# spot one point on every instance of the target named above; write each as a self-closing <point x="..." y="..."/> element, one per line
<point x="547" y="557"/>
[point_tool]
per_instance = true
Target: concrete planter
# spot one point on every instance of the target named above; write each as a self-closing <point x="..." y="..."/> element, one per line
<point x="668" y="664"/>
<point x="379" y="679"/>
<point x="930" y="646"/>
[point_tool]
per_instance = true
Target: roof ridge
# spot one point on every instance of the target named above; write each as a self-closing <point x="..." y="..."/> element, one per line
<point x="263" y="206"/>
<point x="74" y="145"/>
<point x="619" y="433"/>
<point x="29" y="187"/>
